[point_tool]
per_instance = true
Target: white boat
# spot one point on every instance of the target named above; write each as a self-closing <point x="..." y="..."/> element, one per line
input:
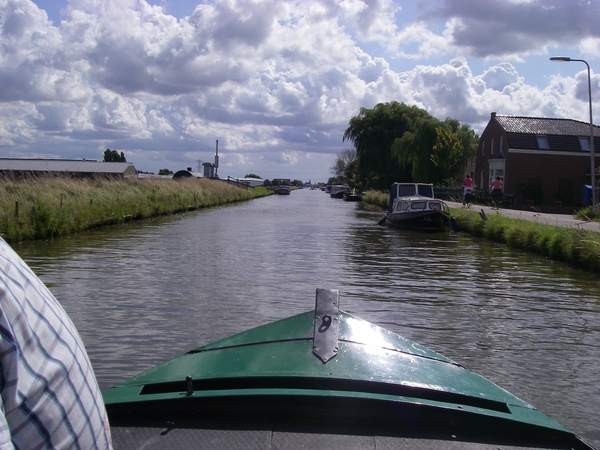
<point x="414" y="206"/>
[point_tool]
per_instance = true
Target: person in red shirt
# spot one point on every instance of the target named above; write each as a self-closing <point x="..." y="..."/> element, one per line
<point x="497" y="187"/>
<point x="467" y="189"/>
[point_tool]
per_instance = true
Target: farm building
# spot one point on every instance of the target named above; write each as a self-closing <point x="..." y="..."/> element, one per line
<point x="75" y="167"/>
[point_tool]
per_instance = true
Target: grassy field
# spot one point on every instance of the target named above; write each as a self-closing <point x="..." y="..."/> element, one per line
<point x="47" y="207"/>
<point x="579" y="248"/>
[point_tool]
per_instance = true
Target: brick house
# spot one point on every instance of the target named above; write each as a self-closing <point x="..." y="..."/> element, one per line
<point x="542" y="161"/>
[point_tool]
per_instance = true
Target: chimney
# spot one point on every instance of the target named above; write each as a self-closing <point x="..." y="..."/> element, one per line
<point x="494" y="115"/>
<point x="189" y="169"/>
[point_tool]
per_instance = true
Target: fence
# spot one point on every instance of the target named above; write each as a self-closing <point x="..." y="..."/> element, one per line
<point x="481" y="197"/>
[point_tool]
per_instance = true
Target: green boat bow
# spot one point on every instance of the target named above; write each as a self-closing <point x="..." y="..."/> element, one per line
<point x="327" y="371"/>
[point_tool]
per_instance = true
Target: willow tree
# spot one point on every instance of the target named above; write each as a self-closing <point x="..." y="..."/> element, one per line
<point x="414" y="149"/>
<point x="373" y="133"/>
<point x="455" y="146"/>
<point x="437" y="152"/>
<point x="397" y="142"/>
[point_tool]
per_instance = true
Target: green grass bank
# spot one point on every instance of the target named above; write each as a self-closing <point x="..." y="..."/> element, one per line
<point x="579" y="248"/>
<point x="47" y="207"/>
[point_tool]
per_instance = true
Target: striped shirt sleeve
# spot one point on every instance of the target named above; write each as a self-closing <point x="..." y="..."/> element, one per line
<point x="49" y="394"/>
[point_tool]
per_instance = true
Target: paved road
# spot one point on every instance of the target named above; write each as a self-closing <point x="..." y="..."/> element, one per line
<point x="559" y="220"/>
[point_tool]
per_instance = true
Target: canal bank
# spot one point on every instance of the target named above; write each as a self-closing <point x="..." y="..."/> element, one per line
<point x="558" y="237"/>
<point x="556" y="220"/>
<point x="555" y="236"/>
<point x="55" y="206"/>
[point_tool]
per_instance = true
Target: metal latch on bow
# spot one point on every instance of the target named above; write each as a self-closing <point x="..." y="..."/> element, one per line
<point x="327" y="324"/>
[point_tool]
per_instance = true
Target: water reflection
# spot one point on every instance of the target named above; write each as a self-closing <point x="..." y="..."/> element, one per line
<point x="145" y="292"/>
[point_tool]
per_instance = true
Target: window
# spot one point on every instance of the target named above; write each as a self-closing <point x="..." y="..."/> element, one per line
<point x="500" y="147"/>
<point x="565" y="192"/>
<point x="584" y="143"/>
<point x="405" y="191"/>
<point x="482" y="147"/>
<point x="492" y="147"/>
<point x="542" y="142"/>
<point x="533" y="191"/>
<point x="425" y="191"/>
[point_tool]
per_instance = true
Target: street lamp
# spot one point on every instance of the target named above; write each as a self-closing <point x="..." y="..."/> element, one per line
<point x="592" y="155"/>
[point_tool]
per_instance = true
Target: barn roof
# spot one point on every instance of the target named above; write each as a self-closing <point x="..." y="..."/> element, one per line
<point x="66" y="165"/>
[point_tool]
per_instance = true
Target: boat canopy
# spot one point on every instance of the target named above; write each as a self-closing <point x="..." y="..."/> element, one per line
<point x="409" y="190"/>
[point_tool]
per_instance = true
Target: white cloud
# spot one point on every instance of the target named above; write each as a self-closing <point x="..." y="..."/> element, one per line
<point x="275" y="81"/>
<point x="500" y="28"/>
<point x="500" y="76"/>
<point x="429" y="44"/>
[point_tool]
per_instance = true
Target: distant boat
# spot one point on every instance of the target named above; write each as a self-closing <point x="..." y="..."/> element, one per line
<point x="413" y="205"/>
<point x="283" y="189"/>
<point x="338" y="190"/>
<point x="352" y="196"/>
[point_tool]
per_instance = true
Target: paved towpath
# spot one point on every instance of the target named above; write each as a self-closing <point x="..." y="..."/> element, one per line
<point x="558" y="220"/>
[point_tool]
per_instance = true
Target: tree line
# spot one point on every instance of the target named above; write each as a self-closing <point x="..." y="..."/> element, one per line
<point x="394" y="142"/>
<point x="114" y="156"/>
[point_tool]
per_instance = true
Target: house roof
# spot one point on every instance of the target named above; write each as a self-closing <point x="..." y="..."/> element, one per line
<point x="66" y="165"/>
<point x="561" y="134"/>
<point x="546" y="126"/>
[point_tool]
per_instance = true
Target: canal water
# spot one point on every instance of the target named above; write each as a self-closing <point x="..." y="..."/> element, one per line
<point x="148" y="291"/>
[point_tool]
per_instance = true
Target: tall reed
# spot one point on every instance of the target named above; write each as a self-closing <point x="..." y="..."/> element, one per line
<point x="51" y="206"/>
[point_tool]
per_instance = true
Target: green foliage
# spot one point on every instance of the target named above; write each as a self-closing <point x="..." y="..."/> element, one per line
<point x="373" y="132"/>
<point x="450" y="155"/>
<point x="588" y="213"/>
<point x="345" y="166"/>
<point x="576" y="247"/>
<point x="335" y="180"/>
<point x="251" y="175"/>
<point x="56" y="206"/>
<point x="113" y="156"/>
<point x="397" y="142"/>
<point x="377" y="198"/>
<point x="165" y="172"/>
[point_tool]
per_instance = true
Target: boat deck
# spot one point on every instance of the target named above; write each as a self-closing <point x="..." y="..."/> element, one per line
<point x="171" y="437"/>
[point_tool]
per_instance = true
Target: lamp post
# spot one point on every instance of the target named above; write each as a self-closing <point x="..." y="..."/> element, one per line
<point x="592" y="154"/>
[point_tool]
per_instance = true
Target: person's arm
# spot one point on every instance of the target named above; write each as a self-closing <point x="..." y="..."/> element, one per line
<point x="50" y="396"/>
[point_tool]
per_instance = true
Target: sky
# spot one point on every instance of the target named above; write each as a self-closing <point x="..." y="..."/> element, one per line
<point x="275" y="82"/>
